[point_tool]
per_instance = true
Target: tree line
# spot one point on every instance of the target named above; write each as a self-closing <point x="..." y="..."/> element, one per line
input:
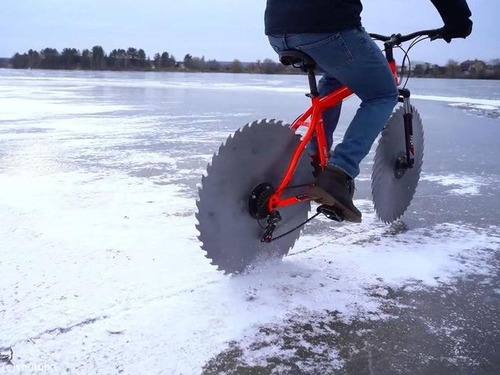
<point x="132" y="59"/>
<point x="135" y="59"/>
<point x="474" y="69"/>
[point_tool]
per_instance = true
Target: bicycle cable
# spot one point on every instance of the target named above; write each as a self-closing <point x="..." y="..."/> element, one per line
<point x="293" y="229"/>
<point x="407" y="57"/>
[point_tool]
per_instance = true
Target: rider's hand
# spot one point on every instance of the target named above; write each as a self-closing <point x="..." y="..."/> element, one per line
<point x="461" y="30"/>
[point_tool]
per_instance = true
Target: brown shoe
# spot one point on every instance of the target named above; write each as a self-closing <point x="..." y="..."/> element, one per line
<point x="334" y="187"/>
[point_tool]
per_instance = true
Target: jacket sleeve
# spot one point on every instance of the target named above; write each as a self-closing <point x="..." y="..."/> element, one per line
<point x="455" y="13"/>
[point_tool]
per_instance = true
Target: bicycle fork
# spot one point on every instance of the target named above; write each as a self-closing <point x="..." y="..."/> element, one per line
<point x="406" y="161"/>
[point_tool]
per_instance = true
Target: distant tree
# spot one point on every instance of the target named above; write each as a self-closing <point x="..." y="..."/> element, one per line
<point x="268" y="66"/>
<point x="164" y="59"/>
<point x="157" y="61"/>
<point x="254" y="67"/>
<point x="98" y="57"/>
<point x="136" y="58"/>
<point x="236" y="67"/>
<point x="141" y="59"/>
<point x="19" y="61"/>
<point x="194" y="63"/>
<point x="70" y="58"/>
<point x="132" y="53"/>
<point x="167" y="60"/>
<point x="200" y="64"/>
<point x="86" y="59"/>
<point x="453" y="69"/>
<point x="495" y="67"/>
<point x="34" y="58"/>
<point x="149" y="63"/>
<point x="213" y="66"/>
<point x="188" y="61"/>
<point x="50" y="58"/>
<point x="5" y="63"/>
<point x="117" y="59"/>
<point x="479" y="69"/>
<point x="132" y="57"/>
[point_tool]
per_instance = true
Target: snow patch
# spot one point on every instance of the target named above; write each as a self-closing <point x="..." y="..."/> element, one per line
<point x="460" y="184"/>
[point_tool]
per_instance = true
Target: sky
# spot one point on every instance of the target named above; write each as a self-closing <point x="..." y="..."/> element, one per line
<point x="223" y="30"/>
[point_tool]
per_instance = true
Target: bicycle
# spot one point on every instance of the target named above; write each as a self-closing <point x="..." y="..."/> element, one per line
<point x="275" y="190"/>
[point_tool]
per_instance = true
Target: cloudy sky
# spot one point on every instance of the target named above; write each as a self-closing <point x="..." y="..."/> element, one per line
<point x="217" y="29"/>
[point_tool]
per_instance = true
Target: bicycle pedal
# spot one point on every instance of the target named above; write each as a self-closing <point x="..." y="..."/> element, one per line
<point x="331" y="213"/>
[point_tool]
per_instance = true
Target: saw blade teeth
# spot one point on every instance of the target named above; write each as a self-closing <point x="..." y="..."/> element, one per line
<point x="225" y="199"/>
<point x="392" y="196"/>
<point x="212" y="262"/>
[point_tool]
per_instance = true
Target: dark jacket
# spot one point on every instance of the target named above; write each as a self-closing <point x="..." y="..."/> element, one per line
<point x="311" y="16"/>
<point x="324" y="16"/>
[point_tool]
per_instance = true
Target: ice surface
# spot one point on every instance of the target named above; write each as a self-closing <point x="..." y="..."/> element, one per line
<point x="101" y="270"/>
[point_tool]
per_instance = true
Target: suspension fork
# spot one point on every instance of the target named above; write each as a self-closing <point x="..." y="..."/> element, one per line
<point x="404" y="97"/>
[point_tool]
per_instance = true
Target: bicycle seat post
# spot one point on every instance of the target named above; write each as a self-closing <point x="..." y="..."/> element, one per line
<point x="312" y="82"/>
<point x="304" y="62"/>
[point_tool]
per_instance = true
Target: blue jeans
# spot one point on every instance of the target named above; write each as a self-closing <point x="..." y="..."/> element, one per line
<point x="349" y="58"/>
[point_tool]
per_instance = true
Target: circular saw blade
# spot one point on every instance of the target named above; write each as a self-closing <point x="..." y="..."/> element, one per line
<point x="392" y="195"/>
<point x="259" y="152"/>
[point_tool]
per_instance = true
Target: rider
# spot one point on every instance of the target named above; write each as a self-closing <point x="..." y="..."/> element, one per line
<point x="330" y="32"/>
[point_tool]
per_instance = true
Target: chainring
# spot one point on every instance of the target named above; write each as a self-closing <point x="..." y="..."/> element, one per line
<point x="258" y="153"/>
<point x="392" y="193"/>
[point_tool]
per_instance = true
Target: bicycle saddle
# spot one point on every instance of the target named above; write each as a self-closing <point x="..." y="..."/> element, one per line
<point x="297" y="59"/>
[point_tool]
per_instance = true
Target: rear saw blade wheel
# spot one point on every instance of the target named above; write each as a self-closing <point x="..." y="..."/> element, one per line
<point x="258" y="153"/>
<point x="392" y="188"/>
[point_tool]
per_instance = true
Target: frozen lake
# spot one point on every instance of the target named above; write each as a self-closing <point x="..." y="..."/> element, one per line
<point x="101" y="271"/>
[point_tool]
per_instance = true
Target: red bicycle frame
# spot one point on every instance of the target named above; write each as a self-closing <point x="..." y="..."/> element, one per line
<point x="313" y="120"/>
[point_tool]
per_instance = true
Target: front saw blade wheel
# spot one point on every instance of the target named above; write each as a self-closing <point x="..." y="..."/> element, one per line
<point x="393" y="187"/>
<point x="254" y="159"/>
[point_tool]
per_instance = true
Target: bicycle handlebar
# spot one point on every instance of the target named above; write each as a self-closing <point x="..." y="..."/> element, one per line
<point x="397" y="39"/>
